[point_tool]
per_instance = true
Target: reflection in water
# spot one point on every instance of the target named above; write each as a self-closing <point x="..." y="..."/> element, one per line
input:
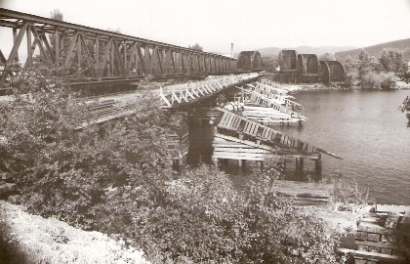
<point x="368" y="131"/>
<point x="365" y="128"/>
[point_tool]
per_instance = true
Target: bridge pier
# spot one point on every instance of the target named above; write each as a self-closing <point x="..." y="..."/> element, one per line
<point x="299" y="164"/>
<point x="318" y="165"/>
<point x="176" y="164"/>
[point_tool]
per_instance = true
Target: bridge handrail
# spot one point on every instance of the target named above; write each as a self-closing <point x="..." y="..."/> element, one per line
<point x="195" y="90"/>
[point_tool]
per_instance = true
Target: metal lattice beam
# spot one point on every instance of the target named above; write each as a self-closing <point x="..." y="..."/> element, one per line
<point x="105" y="54"/>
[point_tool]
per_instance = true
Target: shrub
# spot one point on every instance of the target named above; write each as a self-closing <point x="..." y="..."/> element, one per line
<point x="370" y="80"/>
<point x="389" y="80"/>
<point x="352" y="78"/>
<point x="199" y="217"/>
<point x="63" y="171"/>
<point x="118" y="179"/>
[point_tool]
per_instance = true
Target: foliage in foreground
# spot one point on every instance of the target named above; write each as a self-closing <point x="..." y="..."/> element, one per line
<point x="117" y="179"/>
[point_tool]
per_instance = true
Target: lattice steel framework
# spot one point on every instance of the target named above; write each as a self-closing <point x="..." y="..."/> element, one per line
<point x="100" y="55"/>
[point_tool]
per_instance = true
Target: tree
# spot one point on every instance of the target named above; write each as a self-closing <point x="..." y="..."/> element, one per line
<point x="117" y="179"/>
<point x="352" y="77"/>
<point x="327" y="56"/>
<point x="114" y="30"/>
<point x="56" y="15"/>
<point x="63" y="171"/>
<point x="196" y="46"/>
<point x="367" y="63"/>
<point x="404" y="75"/>
<point x="392" y="60"/>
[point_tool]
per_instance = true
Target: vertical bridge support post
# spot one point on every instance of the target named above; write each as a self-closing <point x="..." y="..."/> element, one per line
<point x="299" y="164"/>
<point x="318" y="165"/>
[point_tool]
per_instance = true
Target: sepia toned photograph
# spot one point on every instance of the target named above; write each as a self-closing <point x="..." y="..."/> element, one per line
<point x="161" y="132"/>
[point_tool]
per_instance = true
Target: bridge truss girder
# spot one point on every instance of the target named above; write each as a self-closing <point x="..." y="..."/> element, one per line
<point x="99" y="54"/>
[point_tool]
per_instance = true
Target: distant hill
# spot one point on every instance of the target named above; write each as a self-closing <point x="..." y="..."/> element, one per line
<point x="376" y="50"/>
<point x="274" y="51"/>
<point x="304" y="50"/>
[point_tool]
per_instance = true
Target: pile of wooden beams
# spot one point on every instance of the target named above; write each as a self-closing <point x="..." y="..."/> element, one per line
<point x="305" y="193"/>
<point x="382" y="237"/>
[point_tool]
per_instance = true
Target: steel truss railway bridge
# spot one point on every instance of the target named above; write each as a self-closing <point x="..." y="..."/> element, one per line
<point x="84" y="55"/>
<point x="102" y="56"/>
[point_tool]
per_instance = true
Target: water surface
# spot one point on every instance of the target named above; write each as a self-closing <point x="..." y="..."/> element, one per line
<point x="368" y="131"/>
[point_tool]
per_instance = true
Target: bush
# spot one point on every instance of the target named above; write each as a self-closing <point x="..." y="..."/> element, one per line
<point x="201" y="218"/>
<point x="389" y="80"/>
<point x="370" y="80"/>
<point x="64" y="171"/>
<point x="117" y="179"/>
<point x="351" y="78"/>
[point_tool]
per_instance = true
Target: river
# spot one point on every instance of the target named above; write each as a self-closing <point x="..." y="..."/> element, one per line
<point x="368" y="131"/>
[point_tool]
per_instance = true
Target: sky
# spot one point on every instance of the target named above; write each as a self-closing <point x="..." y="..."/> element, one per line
<point x="250" y="25"/>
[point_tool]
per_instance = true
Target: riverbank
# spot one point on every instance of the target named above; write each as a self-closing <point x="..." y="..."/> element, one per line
<point x="321" y="87"/>
<point x="47" y="240"/>
<point x="400" y="85"/>
<point x="41" y="240"/>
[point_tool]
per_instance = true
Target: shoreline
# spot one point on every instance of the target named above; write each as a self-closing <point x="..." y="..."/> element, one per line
<point x="292" y="88"/>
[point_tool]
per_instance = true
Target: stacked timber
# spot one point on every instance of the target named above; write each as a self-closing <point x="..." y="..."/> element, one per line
<point x="382" y="237"/>
<point x="228" y="147"/>
<point x="101" y="107"/>
<point x="305" y="193"/>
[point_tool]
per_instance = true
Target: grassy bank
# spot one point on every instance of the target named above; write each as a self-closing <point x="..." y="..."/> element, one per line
<point x="33" y="239"/>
